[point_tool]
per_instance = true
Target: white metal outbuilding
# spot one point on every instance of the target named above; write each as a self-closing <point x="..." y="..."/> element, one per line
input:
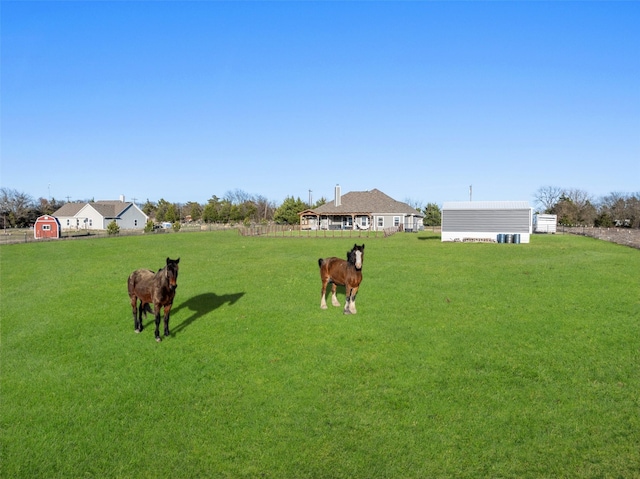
<point x="486" y="220"/>
<point x="546" y="223"/>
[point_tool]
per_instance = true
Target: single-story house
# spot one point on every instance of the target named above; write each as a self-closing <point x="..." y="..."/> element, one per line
<point x="362" y="210"/>
<point x="46" y="226"/>
<point x="97" y="215"/>
<point x="486" y="220"/>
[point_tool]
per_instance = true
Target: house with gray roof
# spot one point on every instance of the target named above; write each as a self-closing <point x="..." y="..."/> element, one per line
<point x="97" y="215"/>
<point x="362" y="210"/>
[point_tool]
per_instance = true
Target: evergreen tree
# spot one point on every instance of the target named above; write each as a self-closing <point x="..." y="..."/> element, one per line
<point x="287" y="212"/>
<point x="161" y="210"/>
<point x="210" y="213"/>
<point x="432" y="215"/>
<point x="149" y="209"/>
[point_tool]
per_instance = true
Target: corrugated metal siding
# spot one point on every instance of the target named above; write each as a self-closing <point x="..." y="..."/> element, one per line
<point x="487" y="220"/>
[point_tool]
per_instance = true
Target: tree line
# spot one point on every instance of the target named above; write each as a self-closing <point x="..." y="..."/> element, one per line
<point x="573" y="207"/>
<point x="576" y="207"/>
<point x="20" y="210"/>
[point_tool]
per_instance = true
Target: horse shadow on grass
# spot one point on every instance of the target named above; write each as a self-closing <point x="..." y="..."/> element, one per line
<point x="200" y="305"/>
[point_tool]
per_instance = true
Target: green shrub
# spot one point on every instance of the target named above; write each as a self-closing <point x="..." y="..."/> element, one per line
<point x="113" y="228"/>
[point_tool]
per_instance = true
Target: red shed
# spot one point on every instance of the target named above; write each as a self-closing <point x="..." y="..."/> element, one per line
<point x="46" y="227"/>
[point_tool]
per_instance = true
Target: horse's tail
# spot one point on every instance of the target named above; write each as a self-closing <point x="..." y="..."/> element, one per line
<point x="320" y="261"/>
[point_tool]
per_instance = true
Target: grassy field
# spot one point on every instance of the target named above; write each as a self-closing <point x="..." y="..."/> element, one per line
<point x="464" y="361"/>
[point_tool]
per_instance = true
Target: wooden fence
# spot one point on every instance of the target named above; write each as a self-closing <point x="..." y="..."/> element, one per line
<point x="294" y="231"/>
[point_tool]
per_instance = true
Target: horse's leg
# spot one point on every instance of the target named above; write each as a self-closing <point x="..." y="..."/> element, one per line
<point x="167" y="311"/>
<point x="323" y="300"/>
<point x="347" y="299"/>
<point x="352" y="303"/>
<point x="140" y="313"/>
<point x="134" y="308"/>
<point x="334" y="298"/>
<point x="157" y="309"/>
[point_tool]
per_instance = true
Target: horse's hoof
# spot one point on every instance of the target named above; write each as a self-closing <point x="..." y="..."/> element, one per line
<point x="137" y="331"/>
<point x="324" y="306"/>
<point x="346" y="311"/>
<point x="158" y="339"/>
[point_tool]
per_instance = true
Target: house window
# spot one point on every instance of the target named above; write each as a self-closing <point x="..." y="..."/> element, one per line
<point x="380" y="221"/>
<point x="396" y="221"/>
<point x="364" y="221"/>
<point x="348" y="222"/>
<point x="68" y="222"/>
<point x="46" y="227"/>
<point x="135" y="222"/>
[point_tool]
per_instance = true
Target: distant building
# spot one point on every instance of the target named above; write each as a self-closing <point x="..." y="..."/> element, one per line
<point x="545" y="223"/>
<point x="97" y="215"/>
<point x="46" y="227"/>
<point x="362" y="210"/>
<point x="485" y="220"/>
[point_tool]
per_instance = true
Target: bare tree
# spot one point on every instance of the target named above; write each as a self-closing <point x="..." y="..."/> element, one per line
<point x="575" y="207"/>
<point x="417" y="204"/>
<point x="548" y="196"/>
<point x="237" y="196"/>
<point x="613" y="206"/>
<point x="265" y="209"/>
<point x="633" y="209"/>
<point x="621" y="209"/>
<point x="18" y="208"/>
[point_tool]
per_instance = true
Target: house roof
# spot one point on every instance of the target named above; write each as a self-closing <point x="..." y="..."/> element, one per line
<point x="486" y="205"/>
<point x="108" y="209"/>
<point x="366" y="202"/>
<point x="69" y="209"/>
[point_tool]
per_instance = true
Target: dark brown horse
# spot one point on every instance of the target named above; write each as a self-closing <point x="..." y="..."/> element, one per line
<point x="345" y="273"/>
<point x="158" y="289"/>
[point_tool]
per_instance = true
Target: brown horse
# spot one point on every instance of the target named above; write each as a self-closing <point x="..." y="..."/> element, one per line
<point x="158" y="289"/>
<point x="345" y="273"/>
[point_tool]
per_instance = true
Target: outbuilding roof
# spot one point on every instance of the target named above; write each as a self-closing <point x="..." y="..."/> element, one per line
<point x="486" y="205"/>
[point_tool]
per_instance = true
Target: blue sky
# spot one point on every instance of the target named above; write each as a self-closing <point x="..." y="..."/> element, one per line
<point x="419" y="99"/>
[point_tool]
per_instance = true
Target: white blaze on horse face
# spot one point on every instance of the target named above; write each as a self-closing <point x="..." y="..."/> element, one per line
<point x="358" y="259"/>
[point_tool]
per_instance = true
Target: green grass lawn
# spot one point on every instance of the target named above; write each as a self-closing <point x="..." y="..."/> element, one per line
<point x="464" y="361"/>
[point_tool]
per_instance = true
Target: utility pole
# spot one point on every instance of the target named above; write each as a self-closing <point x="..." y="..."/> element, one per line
<point x="310" y="199"/>
<point x="470" y="192"/>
